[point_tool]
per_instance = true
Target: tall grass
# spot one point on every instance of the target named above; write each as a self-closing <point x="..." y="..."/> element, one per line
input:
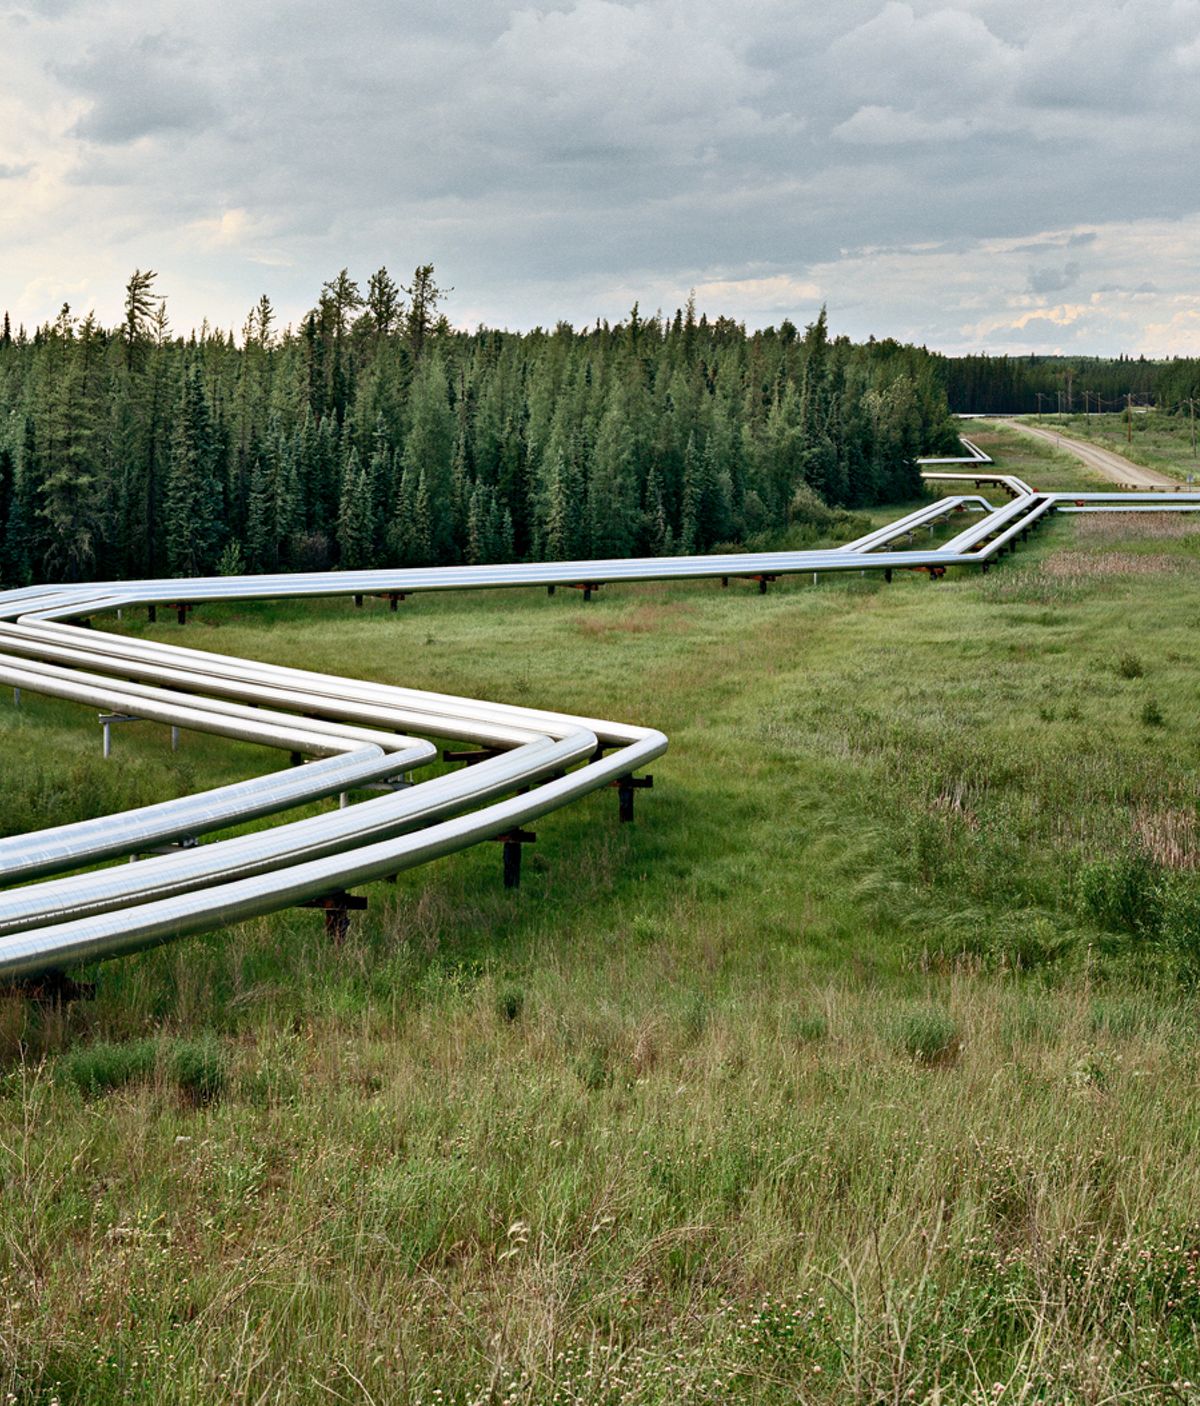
<point x="857" y="1070"/>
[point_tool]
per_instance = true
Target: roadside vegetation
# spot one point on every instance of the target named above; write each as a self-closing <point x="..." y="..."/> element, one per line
<point x="1155" y="439"/>
<point x="861" y="1068"/>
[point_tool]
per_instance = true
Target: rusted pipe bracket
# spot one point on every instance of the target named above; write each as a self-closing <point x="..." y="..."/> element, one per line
<point x="762" y="582"/>
<point x="472" y="755"/>
<point x="337" y="908"/>
<point x="512" y="841"/>
<point x="625" y="786"/>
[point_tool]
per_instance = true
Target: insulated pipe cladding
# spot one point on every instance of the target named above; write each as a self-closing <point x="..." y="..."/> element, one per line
<point x="360" y="735"/>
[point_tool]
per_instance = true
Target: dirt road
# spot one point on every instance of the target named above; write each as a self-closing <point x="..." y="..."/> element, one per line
<point x="1103" y="461"/>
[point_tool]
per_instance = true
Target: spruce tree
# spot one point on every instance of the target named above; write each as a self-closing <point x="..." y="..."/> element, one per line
<point x="261" y="537"/>
<point x="612" y="497"/>
<point x="429" y="449"/>
<point x="421" y="531"/>
<point x="558" y="534"/>
<point x="355" y="526"/>
<point x="193" y="500"/>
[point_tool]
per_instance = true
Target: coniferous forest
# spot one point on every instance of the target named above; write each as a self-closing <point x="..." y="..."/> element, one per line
<point x="376" y="434"/>
<point x="1027" y="385"/>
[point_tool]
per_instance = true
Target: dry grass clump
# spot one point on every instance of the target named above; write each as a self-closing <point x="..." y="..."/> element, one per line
<point x="1170" y="837"/>
<point x="1078" y="567"/>
<point x="642" y="619"/>
<point x="1114" y="527"/>
<point x="957" y="799"/>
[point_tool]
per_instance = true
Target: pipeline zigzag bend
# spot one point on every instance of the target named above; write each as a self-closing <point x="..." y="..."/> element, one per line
<point x="358" y="734"/>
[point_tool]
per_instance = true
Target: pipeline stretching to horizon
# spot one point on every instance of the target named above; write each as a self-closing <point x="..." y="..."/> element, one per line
<point x="360" y="736"/>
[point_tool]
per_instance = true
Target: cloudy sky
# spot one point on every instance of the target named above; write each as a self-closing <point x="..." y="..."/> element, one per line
<point x="1006" y="175"/>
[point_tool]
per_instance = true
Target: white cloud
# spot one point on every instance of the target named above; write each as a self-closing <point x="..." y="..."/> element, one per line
<point x="979" y="296"/>
<point x="902" y="54"/>
<point x="776" y="296"/>
<point x="885" y="126"/>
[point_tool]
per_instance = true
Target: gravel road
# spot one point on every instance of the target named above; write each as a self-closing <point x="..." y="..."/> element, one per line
<point x="1105" y="461"/>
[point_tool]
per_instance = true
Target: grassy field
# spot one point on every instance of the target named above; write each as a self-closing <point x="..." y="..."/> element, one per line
<point x="861" y="1068"/>
<point x="1158" y="441"/>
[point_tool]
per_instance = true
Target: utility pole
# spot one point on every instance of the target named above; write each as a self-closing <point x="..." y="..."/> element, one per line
<point x="1192" y="408"/>
<point x="1070" y="398"/>
<point x="1039" y="401"/>
<point x="1128" y="417"/>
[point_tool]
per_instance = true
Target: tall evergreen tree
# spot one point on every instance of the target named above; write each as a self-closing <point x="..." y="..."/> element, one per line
<point x="194" y="500"/>
<point x="376" y="432"/>
<point x="355" y="530"/>
<point x="429" y="447"/>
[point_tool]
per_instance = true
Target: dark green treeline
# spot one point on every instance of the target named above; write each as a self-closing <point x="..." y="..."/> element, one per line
<point x="1025" y="385"/>
<point x="374" y="434"/>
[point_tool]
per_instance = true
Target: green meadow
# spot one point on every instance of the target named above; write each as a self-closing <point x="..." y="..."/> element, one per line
<point x="862" y="1067"/>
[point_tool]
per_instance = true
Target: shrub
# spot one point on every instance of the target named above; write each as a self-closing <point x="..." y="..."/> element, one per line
<point x="510" y="1003"/>
<point x="696" y="1016"/>
<point x="232" y="561"/>
<point x="1122" y="894"/>
<point x="1028" y="941"/>
<point x="200" y="1068"/>
<point x="1129" y="666"/>
<point x="1179" y="919"/>
<point x="1152" y="714"/>
<point x="594" y="1068"/>
<point x="97" y="1069"/>
<point x="809" y="508"/>
<point x="806" y="1029"/>
<point x="928" y="1035"/>
<point x="310" y="551"/>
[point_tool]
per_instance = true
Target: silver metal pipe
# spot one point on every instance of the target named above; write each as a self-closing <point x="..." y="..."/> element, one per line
<point x="108" y="934"/>
<point x="335" y="832"/>
<point x="100" y="914"/>
<point x="50" y="851"/>
<point x="943" y="507"/>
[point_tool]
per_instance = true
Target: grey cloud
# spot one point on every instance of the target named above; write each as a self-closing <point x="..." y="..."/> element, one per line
<point x="13" y="170"/>
<point x="1057" y="241"/>
<point x="48" y="9"/>
<point x="542" y="152"/>
<point x="143" y="88"/>
<point x="1053" y="280"/>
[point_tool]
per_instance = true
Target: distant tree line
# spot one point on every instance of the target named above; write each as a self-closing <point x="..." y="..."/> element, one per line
<point x="375" y="434"/>
<point x="1024" y="385"/>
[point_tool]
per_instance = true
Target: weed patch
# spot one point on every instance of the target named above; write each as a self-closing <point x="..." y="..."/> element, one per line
<point x="199" y="1069"/>
<point x="99" y="1068"/>
<point x="928" y="1035"/>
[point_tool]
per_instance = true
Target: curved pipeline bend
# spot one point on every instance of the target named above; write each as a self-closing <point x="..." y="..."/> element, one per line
<point x="360" y="734"/>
